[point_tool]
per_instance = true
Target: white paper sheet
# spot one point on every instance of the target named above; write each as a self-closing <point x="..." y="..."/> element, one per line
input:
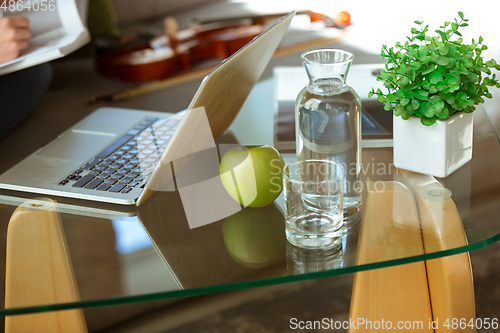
<point x="55" y="33"/>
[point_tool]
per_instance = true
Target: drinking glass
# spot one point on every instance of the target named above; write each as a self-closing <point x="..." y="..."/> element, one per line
<point x="313" y="192"/>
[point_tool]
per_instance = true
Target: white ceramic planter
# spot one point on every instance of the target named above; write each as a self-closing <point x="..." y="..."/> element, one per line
<point x="436" y="150"/>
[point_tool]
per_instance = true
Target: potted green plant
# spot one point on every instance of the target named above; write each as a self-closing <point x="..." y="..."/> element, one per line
<point x="434" y="84"/>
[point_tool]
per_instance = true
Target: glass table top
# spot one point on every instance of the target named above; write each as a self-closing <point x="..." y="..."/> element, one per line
<point x="117" y="255"/>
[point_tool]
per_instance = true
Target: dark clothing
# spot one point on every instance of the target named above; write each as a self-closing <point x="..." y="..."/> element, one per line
<point x="20" y="92"/>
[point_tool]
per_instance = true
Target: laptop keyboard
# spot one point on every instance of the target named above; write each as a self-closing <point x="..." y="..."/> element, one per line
<point x="128" y="161"/>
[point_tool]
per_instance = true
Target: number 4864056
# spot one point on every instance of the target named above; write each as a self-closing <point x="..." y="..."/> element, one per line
<point x="478" y="323"/>
<point x="29" y="5"/>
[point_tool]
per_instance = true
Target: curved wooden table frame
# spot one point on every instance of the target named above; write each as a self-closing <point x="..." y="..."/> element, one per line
<point x="428" y="293"/>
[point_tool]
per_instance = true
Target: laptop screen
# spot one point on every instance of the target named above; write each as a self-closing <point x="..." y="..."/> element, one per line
<point x="217" y="102"/>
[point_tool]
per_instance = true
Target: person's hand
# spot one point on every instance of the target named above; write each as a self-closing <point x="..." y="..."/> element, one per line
<point x="14" y="36"/>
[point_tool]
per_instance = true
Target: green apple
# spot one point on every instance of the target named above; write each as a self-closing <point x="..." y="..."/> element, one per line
<point x="252" y="175"/>
<point x="255" y="237"/>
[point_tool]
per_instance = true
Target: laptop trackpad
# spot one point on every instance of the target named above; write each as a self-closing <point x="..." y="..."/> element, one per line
<point x="77" y="145"/>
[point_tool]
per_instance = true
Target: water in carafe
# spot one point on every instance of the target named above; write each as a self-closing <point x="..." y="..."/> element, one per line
<point x="328" y="119"/>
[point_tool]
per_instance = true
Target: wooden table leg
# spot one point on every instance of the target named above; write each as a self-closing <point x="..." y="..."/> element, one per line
<point x="39" y="271"/>
<point x="436" y="295"/>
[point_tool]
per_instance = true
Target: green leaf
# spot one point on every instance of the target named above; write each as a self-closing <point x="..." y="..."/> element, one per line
<point x="401" y="69"/>
<point x="390" y="98"/>
<point x="405" y="116"/>
<point x="433" y="90"/>
<point x="491" y="63"/>
<point x="420" y="36"/>
<point x="415" y="65"/>
<point x="415" y="104"/>
<point x="401" y="93"/>
<point x="442" y="34"/>
<point x="398" y="110"/>
<point x="461" y="96"/>
<point x="428" y="121"/>
<point x="435" y="77"/>
<point x="440" y="86"/>
<point x="403" y="81"/>
<point x="388" y="84"/>
<point x="443" y="61"/>
<point x="434" y="98"/>
<point x="409" y="109"/>
<point x="472" y="77"/>
<point x="428" y="70"/>
<point x="433" y="56"/>
<point x="453" y="87"/>
<point x="472" y="90"/>
<point x="443" y="50"/>
<point x="433" y="46"/>
<point x="425" y="59"/>
<point x="428" y="111"/>
<point x="451" y="80"/>
<point x="438" y="105"/>
<point x="423" y="50"/>
<point x="452" y="62"/>
<point x="454" y="26"/>
<point x="461" y="15"/>
<point x="485" y="69"/>
<point x="443" y="114"/>
<point x="387" y="106"/>
<point x="421" y="95"/>
<point x="405" y="101"/>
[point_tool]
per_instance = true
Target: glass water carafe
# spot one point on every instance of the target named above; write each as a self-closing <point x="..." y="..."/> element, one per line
<point x="328" y="119"/>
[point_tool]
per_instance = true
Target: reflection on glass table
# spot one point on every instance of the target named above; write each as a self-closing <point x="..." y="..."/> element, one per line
<point x="154" y="253"/>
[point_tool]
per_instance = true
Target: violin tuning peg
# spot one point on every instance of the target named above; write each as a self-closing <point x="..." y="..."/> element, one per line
<point x="343" y="19"/>
<point x="171" y="27"/>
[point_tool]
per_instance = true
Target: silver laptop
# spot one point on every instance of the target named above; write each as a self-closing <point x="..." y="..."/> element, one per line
<point x="123" y="156"/>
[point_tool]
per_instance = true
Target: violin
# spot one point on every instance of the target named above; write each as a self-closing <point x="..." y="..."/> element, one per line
<point x="148" y="58"/>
